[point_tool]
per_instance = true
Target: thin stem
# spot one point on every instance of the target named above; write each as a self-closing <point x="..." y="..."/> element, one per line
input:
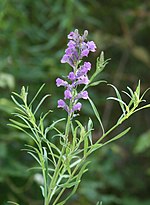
<point x="57" y="170"/>
<point x="73" y="173"/>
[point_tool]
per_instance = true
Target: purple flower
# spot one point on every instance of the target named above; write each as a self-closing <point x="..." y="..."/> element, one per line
<point x="67" y="94"/>
<point x="71" y="44"/>
<point x="84" y="52"/>
<point x="71" y="35"/>
<point x="68" y="51"/>
<point x="60" y="82"/>
<point x="77" y="48"/>
<point x="65" y="59"/>
<point x="87" y="65"/>
<point x="84" y="69"/>
<point x="82" y="80"/>
<point x="77" y="107"/>
<point x="91" y="46"/>
<point x="62" y="104"/>
<point x="71" y="76"/>
<point x="83" y="94"/>
<point x="74" y="35"/>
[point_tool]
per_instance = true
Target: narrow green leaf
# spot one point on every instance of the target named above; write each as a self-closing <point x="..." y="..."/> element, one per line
<point x="81" y="172"/>
<point x="40" y="103"/>
<point x="119" y="98"/>
<point x="141" y="108"/>
<point x="35" y="158"/>
<point x="90" y="128"/>
<point x="121" y="103"/>
<point x="69" y="185"/>
<point x="36" y="94"/>
<point x="82" y="132"/>
<point x="138" y="89"/>
<point x="16" y="102"/>
<point x="97" y="83"/>
<point x="96" y="114"/>
<point x="42" y="190"/>
<point x="16" y="94"/>
<point x="94" y="147"/>
<point x="52" y="125"/>
<point x="86" y="143"/>
<point x="15" y="126"/>
<point x="118" y="136"/>
<point x="144" y="93"/>
<point x="11" y="202"/>
<point x="130" y="90"/>
<point x="18" y="123"/>
<point x="75" y="163"/>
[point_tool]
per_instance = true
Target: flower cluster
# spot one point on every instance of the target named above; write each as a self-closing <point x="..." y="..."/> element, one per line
<point x="78" y="47"/>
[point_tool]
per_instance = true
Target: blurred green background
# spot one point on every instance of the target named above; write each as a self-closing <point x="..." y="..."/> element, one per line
<point x="33" y="36"/>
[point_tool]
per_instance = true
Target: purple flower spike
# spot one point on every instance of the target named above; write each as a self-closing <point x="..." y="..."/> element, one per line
<point x="67" y="94"/>
<point x="83" y="95"/>
<point x="77" y="48"/>
<point x="60" y="82"/>
<point x="77" y="107"/>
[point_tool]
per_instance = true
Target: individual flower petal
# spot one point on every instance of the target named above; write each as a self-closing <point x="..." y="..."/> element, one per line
<point x="91" y="46"/>
<point x="67" y="94"/>
<point x="77" y="107"/>
<point x="60" y="82"/>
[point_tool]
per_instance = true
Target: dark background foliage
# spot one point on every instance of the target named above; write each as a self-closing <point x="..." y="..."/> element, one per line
<point x="33" y="36"/>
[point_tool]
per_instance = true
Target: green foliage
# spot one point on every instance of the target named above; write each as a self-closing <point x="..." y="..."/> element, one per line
<point x="32" y="38"/>
<point x="62" y="167"/>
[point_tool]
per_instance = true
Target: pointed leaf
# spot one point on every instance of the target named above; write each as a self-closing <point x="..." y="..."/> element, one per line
<point x="118" y="97"/>
<point x="97" y="83"/>
<point x="96" y="114"/>
<point x="118" y="136"/>
<point x="36" y="94"/>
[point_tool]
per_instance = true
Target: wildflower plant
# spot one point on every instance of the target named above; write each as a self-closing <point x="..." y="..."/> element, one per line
<point x="63" y="166"/>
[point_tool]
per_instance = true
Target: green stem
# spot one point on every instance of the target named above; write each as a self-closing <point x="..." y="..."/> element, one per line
<point x="57" y="170"/>
<point x="73" y="173"/>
